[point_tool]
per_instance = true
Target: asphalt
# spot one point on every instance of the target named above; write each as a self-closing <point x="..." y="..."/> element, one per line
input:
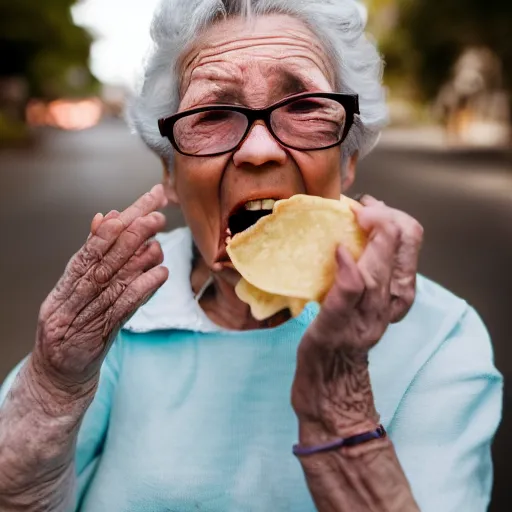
<point x="50" y="191"/>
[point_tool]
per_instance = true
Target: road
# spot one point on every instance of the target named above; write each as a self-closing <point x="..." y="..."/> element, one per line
<point x="49" y="193"/>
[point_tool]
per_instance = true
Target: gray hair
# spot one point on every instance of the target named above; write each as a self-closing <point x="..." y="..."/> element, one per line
<point x="338" y="24"/>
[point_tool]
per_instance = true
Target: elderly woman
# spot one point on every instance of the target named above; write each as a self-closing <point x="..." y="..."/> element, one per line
<point x="150" y="386"/>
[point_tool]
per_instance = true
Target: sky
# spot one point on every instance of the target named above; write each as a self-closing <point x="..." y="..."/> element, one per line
<point x="121" y="30"/>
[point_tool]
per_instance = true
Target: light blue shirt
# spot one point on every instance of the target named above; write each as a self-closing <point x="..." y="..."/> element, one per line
<point x="191" y="417"/>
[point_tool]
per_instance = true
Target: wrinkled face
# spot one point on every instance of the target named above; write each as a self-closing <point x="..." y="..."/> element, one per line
<point x="252" y="64"/>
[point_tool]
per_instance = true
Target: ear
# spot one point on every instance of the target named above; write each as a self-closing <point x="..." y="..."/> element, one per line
<point x="169" y="184"/>
<point x="349" y="172"/>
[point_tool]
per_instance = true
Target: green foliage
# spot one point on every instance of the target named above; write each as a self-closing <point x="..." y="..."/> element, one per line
<point x="39" y="41"/>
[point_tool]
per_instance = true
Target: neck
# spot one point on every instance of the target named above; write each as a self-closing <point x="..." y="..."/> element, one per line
<point x="221" y="303"/>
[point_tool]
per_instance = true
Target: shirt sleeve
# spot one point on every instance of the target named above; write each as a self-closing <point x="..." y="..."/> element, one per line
<point x="446" y="422"/>
<point x="94" y="426"/>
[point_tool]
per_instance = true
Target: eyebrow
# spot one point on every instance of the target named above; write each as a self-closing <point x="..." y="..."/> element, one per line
<point x="229" y="96"/>
<point x="289" y="84"/>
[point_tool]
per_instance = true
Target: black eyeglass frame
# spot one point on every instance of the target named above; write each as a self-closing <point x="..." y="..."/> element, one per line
<point x="350" y="102"/>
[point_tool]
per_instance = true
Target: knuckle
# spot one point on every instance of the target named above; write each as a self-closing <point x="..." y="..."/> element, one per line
<point x="157" y="252"/>
<point x="416" y="231"/>
<point x="117" y="289"/>
<point x="119" y="285"/>
<point x="84" y="259"/>
<point x="135" y="233"/>
<point x="142" y="249"/>
<point x="370" y="283"/>
<point x="88" y="287"/>
<point x="392" y="230"/>
<point x="113" y="227"/>
<point x="110" y="294"/>
<point x="103" y="273"/>
<point x="159" y="256"/>
<point x="408" y="297"/>
<point x="127" y="303"/>
<point x="352" y="285"/>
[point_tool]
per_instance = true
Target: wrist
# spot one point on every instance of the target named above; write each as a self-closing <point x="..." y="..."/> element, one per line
<point x="54" y="396"/>
<point x="316" y="433"/>
<point x="332" y="391"/>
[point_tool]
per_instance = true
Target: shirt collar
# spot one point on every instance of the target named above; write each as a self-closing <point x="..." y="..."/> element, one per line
<point x="173" y="306"/>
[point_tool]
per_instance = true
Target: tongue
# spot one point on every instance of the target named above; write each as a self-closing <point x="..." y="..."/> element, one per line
<point x="245" y="219"/>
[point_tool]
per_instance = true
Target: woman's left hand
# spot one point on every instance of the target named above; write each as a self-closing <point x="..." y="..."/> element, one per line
<point x="332" y="387"/>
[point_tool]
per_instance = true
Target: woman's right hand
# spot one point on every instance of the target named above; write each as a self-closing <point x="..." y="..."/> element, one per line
<point x="114" y="273"/>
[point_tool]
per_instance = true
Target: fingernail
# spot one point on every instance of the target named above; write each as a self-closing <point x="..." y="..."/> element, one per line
<point x="157" y="215"/>
<point x="111" y="214"/>
<point x="156" y="188"/>
<point x="359" y="196"/>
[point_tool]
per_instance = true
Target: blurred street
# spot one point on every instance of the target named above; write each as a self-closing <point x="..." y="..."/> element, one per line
<point x="49" y="193"/>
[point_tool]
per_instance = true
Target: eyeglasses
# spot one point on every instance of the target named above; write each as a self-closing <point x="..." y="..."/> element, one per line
<point x="305" y="122"/>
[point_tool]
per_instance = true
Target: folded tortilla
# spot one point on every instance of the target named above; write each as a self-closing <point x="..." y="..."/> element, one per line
<point x="287" y="259"/>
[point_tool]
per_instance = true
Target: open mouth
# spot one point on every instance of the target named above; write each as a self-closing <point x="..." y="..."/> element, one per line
<point x="247" y="214"/>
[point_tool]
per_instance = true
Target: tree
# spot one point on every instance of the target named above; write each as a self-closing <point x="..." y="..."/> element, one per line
<point x="38" y="41"/>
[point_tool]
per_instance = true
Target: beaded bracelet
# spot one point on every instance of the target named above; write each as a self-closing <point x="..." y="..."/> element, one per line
<point x="303" y="451"/>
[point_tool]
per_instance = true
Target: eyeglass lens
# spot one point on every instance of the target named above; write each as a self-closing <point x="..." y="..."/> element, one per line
<point x="307" y="123"/>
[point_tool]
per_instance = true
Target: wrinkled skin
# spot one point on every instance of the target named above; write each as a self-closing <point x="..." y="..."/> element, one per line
<point x="115" y="272"/>
<point x="365" y="298"/>
<point x="118" y="269"/>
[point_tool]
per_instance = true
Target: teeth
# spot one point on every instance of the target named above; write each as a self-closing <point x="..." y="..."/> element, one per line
<point x="253" y="205"/>
<point x="260" y="204"/>
<point x="267" y="204"/>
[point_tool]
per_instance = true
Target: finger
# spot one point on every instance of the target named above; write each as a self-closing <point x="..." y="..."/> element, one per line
<point x="147" y="259"/>
<point x="96" y="221"/>
<point x="149" y="256"/>
<point x="97" y="245"/>
<point x="403" y="282"/>
<point x="348" y="285"/>
<point x="113" y="214"/>
<point x="378" y="259"/>
<point x="66" y="283"/>
<point x="108" y="230"/>
<point x="368" y="200"/>
<point x="133" y="297"/>
<point x="127" y="244"/>
<point x="99" y="219"/>
<point x="344" y="295"/>
<point x="149" y="202"/>
<point x="90" y="286"/>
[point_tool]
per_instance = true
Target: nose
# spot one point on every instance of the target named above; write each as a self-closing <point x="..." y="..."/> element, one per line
<point x="259" y="148"/>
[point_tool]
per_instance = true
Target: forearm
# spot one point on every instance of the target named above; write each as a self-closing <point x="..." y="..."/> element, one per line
<point x="39" y="426"/>
<point x="359" y="479"/>
<point x="333" y="399"/>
